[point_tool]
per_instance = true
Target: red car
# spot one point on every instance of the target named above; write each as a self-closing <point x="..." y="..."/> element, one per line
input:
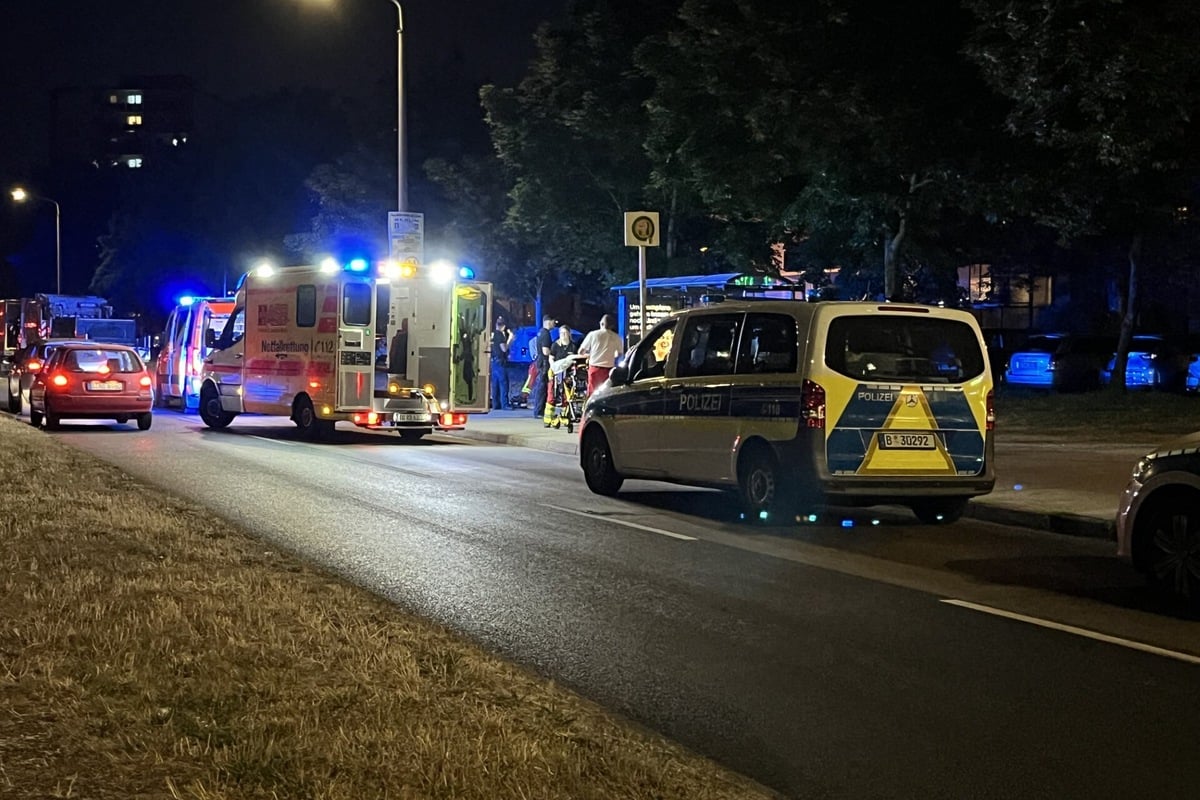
<point x="92" y="381"/>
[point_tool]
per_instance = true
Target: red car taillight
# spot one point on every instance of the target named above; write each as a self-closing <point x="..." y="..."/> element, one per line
<point x="59" y="380"/>
<point x="145" y="382"/>
<point x="34" y="365"/>
<point x="812" y="404"/>
<point x="991" y="411"/>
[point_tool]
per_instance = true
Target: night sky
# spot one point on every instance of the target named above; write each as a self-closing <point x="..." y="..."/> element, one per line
<point x="235" y="48"/>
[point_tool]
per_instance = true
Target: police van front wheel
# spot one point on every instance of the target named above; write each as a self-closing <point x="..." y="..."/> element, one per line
<point x="598" y="471"/>
<point x="760" y="485"/>
<point x="940" y="512"/>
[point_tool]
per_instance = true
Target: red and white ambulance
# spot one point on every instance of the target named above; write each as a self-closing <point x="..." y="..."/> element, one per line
<point x="299" y="342"/>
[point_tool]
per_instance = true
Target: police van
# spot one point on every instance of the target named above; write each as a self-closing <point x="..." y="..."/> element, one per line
<point x="796" y="405"/>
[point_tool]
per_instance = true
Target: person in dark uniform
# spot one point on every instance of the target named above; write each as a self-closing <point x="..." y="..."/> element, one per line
<point x="502" y="338"/>
<point x="544" y="340"/>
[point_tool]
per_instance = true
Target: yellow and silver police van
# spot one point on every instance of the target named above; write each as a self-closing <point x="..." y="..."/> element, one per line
<point x="797" y="405"/>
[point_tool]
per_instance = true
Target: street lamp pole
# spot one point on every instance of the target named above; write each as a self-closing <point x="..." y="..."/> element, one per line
<point x="401" y="155"/>
<point x="20" y="195"/>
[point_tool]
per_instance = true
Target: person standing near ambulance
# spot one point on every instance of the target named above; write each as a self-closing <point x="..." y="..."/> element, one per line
<point x="544" y="340"/>
<point x="602" y="347"/>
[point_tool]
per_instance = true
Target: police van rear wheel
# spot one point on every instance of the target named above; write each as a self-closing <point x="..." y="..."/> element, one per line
<point x="598" y="471"/>
<point x="940" y="512"/>
<point x="211" y="412"/>
<point x="760" y="485"/>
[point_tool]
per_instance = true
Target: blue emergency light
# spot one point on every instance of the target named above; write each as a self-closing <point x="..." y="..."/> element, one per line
<point x="357" y="265"/>
<point x="466" y="273"/>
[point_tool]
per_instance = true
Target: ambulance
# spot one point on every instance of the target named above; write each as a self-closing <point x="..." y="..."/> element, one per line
<point x="192" y="328"/>
<point x="796" y="405"/>
<point x="300" y="343"/>
<point x="437" y="320"/>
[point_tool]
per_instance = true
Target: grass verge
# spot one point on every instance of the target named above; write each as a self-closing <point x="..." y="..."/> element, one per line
<point x="150" y="650"/>
<point x="1097" y="416"/>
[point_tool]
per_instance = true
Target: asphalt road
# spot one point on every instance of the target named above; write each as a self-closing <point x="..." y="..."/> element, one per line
<point x="861" y="656"/>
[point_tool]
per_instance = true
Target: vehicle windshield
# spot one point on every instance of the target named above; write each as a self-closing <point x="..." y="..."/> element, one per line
<point x="891" y="347"/>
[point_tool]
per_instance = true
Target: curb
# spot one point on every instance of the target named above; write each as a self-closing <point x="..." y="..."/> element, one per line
<point x="1064" y="524"/>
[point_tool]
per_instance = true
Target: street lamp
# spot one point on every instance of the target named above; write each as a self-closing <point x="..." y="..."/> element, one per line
<point x="20" y="195"/>
<point x="401" y="156"/>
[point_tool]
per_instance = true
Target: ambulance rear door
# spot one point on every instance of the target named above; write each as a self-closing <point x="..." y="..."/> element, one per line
<point x="470" y="322"/>
<point x="355" y="343"/>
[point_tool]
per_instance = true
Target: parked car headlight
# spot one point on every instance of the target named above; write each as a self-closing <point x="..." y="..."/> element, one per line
<point x="1141" y="468"/>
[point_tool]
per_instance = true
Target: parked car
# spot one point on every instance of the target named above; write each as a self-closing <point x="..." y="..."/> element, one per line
<point x="1155" y="362"/>
<point x="92" y="381"/>
<point x="1001" y="344"/>
<point x="1191" y="381"/>
<point x="26" y="364"/>
<point x="1060" y="361"/>
<point x="1158" y="520"/>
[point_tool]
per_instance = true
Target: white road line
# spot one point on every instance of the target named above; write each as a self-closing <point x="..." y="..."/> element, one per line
<point x="1057" y="626"/>
<point x="590" y="515"/>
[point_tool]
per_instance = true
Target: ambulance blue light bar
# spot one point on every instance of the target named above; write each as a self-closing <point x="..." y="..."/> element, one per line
<point x="466" y="273"/>
<point x="358" y="265"/>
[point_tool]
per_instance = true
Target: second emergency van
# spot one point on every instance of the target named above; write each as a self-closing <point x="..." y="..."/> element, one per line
<point x="300" y="343"/>
<point x="192" y="326"/>
<point x="796" y="405"/>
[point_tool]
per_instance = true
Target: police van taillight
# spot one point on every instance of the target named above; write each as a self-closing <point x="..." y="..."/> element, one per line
<point x="812" y="404"/>
<point x="991" y="411"/>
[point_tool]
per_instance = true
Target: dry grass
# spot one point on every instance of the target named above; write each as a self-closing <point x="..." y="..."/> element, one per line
<point x="148" y="650"/>
<point x="1097" y="416"/>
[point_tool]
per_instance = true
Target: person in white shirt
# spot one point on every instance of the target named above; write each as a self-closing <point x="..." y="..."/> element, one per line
<point x="602" y="347"/>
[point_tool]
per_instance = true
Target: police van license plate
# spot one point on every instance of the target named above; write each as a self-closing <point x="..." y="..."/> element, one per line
<point x="413" y="416"/>
<point x="906" y="441"/>
<point x="104" y="386"/>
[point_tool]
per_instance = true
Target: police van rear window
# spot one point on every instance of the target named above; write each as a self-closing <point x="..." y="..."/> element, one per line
<point x="907" y="349"/>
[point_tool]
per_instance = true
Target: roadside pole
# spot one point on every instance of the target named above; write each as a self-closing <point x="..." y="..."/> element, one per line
<point x="641" y="231"/>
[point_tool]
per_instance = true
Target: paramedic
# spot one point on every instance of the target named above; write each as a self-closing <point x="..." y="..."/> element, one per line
<point x="602" y="347"/>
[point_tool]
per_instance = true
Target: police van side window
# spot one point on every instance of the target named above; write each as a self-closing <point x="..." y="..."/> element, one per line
<point x="768" y="345"/>
<point x="708" y="345"/>
<point x="650" y="358"/>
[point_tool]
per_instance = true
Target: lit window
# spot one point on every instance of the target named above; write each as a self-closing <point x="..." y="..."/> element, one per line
<point x="133" y="119"/>
<point x="133" y="163"/>
<point x="134" y="100"/>
<point x="114" y="99"/>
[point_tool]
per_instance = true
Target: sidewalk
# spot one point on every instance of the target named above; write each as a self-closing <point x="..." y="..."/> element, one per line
<point x="1053" y="485"/>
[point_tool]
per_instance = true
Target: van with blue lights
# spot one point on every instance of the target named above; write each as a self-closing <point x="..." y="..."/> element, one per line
<point x="299" y="342"/>
<point x="191" y="330"/>
<point x="797" y="405"/>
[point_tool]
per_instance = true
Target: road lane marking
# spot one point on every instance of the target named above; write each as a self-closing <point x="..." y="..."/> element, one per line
<point x="1058" y="626"/>
<point x="597" y="517"/>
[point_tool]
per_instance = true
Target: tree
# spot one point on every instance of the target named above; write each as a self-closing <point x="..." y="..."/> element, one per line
<point x="1109" y="88"/>
<point x="855" y="122"/>
<point x="570" y="136"/>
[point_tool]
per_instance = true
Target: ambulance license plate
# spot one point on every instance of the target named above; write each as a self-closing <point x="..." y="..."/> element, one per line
<point x="906" y="441"/>
<point x="104" y="386"/>
<point x="410" y="417"/>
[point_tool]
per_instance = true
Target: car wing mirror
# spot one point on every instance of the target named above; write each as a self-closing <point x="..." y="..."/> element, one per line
<point x="619" y="376"/>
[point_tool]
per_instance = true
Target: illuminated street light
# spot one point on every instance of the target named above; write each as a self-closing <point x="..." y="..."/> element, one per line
<point x="20" y="195"/>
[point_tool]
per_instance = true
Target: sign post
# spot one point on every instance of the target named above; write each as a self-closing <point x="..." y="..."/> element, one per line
<point x="641" y="231"/>
<point x="406" y="237"/>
